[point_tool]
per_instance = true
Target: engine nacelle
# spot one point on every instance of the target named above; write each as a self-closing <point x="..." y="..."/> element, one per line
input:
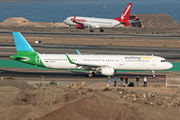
<point x="80" y="26"/>
<point x="107" y="71"/>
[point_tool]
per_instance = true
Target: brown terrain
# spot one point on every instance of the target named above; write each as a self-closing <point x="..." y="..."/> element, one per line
<point x="80" y="101"/>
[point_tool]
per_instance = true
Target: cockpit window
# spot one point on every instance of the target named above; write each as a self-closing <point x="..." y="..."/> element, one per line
<point x="163" y="60"/>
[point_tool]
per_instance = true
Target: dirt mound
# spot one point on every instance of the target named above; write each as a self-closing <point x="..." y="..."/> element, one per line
<point x="92" y="108"/>
<point x="8" y="94"/>
<point x="157" y="21"/>
<point x="89" y="102"/>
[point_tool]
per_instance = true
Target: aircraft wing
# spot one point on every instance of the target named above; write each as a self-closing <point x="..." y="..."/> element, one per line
<point x="88" y="25"/>
<point x="84" y="66"/>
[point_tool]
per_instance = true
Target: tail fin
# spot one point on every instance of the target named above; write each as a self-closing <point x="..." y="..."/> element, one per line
<point x="125" y="15"/>
<point x="22" y="46"/>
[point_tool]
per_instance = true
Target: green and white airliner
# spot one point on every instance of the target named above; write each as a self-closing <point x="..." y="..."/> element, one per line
<point x="104" y="64"/>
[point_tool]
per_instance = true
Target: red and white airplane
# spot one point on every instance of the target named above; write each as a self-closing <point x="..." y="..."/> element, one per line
<point x="100" y="23"/>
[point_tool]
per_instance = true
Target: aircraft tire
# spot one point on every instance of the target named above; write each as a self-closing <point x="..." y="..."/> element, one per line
<point x="101" y="30"/>
<point x="90" y="75"/>
<point x="91" y="30"/>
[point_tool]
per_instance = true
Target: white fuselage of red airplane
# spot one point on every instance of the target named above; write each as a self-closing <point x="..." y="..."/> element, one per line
<point x="89" y="22"/>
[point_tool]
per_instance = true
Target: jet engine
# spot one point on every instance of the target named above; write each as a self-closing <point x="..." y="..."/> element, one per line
<point x="107" y="71"/>
<point x="80" y="26"/>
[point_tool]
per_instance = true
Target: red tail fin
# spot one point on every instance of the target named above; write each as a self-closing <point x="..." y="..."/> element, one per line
<point x="125" y="15"/>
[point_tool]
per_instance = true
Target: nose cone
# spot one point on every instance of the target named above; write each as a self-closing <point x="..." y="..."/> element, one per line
<point x="65" y="21"/>
<point x="169" y="65"/>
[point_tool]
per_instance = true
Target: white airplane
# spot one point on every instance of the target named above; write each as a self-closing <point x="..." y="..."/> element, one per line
<point x="104" y="64"/>
<point x="100" y="23"/>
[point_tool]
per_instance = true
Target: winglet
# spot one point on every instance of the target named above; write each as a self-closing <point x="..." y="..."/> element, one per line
<point x="78" y="52"/>
<point x="69" y="59"/>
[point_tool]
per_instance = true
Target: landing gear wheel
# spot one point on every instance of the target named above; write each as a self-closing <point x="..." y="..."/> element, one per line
<point x="91" y="30"/>
<point x="153" y="72"/>
<point x="101" y="30"/>
<point x="90" y="75"/>
<point x="70" y="27"/>
<point x="93" y="74"/>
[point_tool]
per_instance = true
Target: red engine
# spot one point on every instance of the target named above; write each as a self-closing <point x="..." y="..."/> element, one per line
<point x="80" y="26"/>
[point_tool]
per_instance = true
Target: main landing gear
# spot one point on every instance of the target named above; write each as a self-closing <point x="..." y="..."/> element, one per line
<point x="101" y="30"/>
<point x="153" y="72"/>
<point x="91" y="74"/>
<point x="91" y="30"/>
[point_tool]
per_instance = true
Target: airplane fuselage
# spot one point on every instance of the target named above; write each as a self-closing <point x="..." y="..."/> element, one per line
<point x="118" y="62"/>
<point x="94" y="22"/>
<point x="104" y="64"/>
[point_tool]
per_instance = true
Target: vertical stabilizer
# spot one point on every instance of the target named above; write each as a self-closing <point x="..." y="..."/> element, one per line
<point x="25" y="53"/>
<point x="125" y="15"/>
<point x="22" y="46"/>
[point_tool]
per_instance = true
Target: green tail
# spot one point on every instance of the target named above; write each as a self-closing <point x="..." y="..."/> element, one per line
<point x="25" y="53"/>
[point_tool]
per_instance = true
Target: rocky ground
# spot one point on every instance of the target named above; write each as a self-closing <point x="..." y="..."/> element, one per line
<point x="92" y="102"/>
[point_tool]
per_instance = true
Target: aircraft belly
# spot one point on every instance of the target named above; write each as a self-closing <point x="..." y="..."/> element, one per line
<point x="106" y="26"/>
<point x="134" y="66"/>
<point x="59" y="65"/>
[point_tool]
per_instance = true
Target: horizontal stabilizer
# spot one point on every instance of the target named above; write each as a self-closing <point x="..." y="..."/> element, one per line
<point x="15" y="57"/>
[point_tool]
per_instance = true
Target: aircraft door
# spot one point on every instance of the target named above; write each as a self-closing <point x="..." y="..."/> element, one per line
<point x="153" y="61"/>
<point x="121" y="62"/>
